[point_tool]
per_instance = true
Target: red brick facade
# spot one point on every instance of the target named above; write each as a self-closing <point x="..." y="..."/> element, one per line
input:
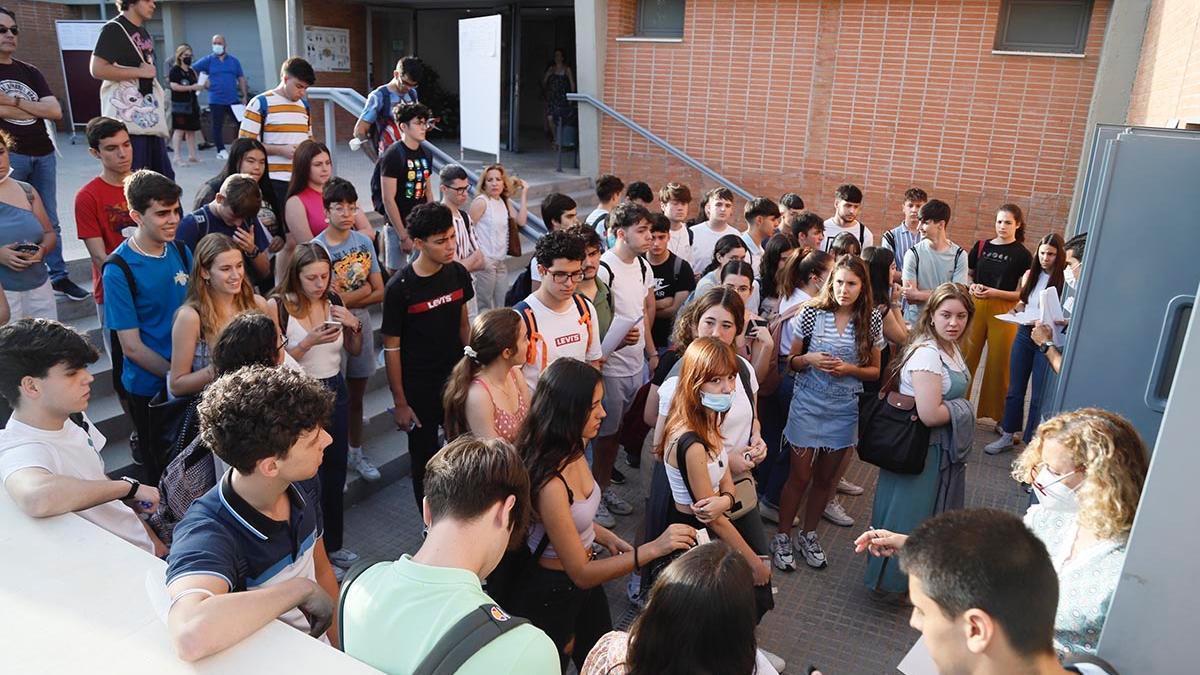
<point x="39" y="42"/>
<point x="883" y="93"/>
<point x="1168" y="80"/>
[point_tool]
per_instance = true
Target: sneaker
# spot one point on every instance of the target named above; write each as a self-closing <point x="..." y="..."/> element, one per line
<point x="359" y="462"/>
<point x="781" y="553"/>
<point x="633" y="589"/>
<point x="65" y="288"/>
<point x="771" y="512"/>
<point x="343" y="557"/>
<point x="836" y="514"/>
<point x="847" y="488"/>
<point x="633" y="460"/>
<point x="222" y="154"/>
<point x="1002" y="444"/>
<point x="603" y="517"/>
<point x="616" y="505"/>
<point x="807" y="545"/>
<point x="777" y="663"/>
<point x="618" y="478"/>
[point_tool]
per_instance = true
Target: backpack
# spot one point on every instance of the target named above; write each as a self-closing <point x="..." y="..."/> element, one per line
<point x="263" y="108"/>
<point x="123" y="264"/>
<point x="521" y="287"/>
<point x="535" y="337"/>
<point x="641" y="263"/>
<point x="459" y="643"/>
<point x="771" y="382"/>
<point x="189" y="474"/>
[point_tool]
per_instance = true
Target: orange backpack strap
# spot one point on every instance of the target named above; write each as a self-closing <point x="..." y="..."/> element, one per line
<point x="535" y="338"/>
<point x="585" y="315"/>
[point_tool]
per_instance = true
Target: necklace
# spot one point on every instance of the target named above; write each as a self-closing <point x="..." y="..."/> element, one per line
<point x="133" y="243"/>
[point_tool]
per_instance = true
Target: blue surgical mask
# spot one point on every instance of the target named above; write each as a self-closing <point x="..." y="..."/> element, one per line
<point x="218" y="49"/>
<point x="716" y="402"/>
<point x="612" y="241"/>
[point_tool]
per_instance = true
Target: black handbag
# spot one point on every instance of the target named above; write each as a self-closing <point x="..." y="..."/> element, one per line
<point x="890" y="433"/>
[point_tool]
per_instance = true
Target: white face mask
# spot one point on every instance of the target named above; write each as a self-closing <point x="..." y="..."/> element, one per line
<point x="218" y="49"/>
<point x="1053" y="493"/>
<point x="1069" y="276"/>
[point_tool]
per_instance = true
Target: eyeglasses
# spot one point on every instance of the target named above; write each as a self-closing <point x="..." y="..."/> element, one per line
<point x="343" y="210"/>
<point x="1041" y="487"/>
<point x="562" y="277"/>
<point x="459" y="190"/>
<point x="5" y="30"/>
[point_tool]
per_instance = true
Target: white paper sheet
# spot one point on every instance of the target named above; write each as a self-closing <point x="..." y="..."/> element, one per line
<point x="918" y="661"/>
<point x="239" y="111"/>
<point x="617" y="331"/>
<point x="1052" y="314"/>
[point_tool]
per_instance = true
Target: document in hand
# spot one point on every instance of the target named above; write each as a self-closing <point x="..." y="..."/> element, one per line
<point x="617" y="330"/>
<point x="1052" y="314"/>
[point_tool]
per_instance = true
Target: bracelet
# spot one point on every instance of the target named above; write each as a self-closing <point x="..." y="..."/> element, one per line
<point x="636" y="565"/>
<point x="190" y="591"/>
<point x="732" y="499"/>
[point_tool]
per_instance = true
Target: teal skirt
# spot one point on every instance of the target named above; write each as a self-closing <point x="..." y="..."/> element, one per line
<point x="902" y="501"/>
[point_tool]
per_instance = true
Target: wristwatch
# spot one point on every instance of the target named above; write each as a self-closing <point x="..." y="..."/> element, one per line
<point x="1045" y="347"/>
<point x="133" y="488"/>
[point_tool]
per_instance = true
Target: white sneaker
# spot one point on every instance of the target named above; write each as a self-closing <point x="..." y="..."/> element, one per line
<point x="359" y="462"/>
<point x="616" y="505"/>
<point x="836" y="514"/>
<point x="1002" y="444"/>
<point x="781" y="553"/>
<point x="603" y="517"/>
<point x="633" y="590"/>
<point x="222" y="154"/>
<point x="847" y="488"/>
<point x="809" y="546"/>
<point x="776" y="662"/>
<point x="343" y="557"/>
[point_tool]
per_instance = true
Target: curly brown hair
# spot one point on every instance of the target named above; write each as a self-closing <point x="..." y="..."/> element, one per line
<point x="258" y="412"/>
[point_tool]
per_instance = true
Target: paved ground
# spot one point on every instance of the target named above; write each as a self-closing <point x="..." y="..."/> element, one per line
<point x="822" y="617"/>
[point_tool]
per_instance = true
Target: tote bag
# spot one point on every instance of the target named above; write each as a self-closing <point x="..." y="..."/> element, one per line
<point x="143" y="114"/>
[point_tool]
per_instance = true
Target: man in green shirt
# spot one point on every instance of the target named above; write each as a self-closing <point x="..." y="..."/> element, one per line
<point x="396" y="613"/>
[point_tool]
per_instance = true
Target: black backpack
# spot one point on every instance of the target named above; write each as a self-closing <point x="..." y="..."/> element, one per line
<point x="521" y="287"/>
<point x="120" y="262"/>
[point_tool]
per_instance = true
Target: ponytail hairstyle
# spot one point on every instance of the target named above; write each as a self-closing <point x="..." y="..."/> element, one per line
<point x="1018" y="215"/>
<point x="493" y="333"/>
<point x="863" y="308"/>
<point x="725" y="245"/>
<point x="801" y="265"/>
<point x="773" y="258"/>
<point x="704" y="359"/>
<point x="1056" y="273"/>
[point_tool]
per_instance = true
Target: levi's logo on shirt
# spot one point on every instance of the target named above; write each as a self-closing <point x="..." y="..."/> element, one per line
<point x="563" y="340"/>
<point x="434" y="303"/>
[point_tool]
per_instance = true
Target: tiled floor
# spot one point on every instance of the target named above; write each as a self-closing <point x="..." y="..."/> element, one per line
<point x="822" y="617"/>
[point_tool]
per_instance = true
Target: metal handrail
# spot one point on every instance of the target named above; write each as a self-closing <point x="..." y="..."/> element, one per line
<point x="353" y="102"/>
<point x="655" y="139"/>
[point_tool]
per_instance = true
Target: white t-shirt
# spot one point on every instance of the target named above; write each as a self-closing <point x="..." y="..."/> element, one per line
<point x="533" y="270"/>
<point x="786" y="333"/>
<point x="704" y="241"/>
<point x="833" y="229"/>
<point x="680" y="244"/>
<point x="73" y="453"/>
<point x="563" y="335"/>
<point x="593" y="218"/>
<point x="754" y="252"/>
<point x="928" y="358"/>
<point x="739" y="421"/>
<point x="628" y="287"/>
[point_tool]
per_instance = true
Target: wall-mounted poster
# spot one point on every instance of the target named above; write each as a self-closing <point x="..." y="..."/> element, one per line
<point x="327" y="49"/>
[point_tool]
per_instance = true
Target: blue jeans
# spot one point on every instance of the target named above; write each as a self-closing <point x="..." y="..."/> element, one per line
<point x="1024" y="361"/>
<point x="40" y="173"/>
<point x="218" y="112"/>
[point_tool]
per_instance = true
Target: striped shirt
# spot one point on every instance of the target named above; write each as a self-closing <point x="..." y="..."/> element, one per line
<point x="898" y="240"/>
<point x="287" y="123"/>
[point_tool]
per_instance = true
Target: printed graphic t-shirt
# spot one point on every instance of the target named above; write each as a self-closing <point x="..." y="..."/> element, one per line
<point x="124" y="44"/>
<point x="22" y="81"/>
<point x="411" y="169"/>
<point x="353" y="260"/>
<point x="426" y="314"/>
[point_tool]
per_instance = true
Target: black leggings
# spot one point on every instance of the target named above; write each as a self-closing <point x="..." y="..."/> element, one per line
<point x="553" y="603"/>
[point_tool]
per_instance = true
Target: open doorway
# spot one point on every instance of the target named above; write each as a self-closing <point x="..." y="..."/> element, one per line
<point x="543" y="30"/>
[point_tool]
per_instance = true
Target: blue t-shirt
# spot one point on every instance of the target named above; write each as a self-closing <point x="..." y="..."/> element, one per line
<point x="222" y="78"/>
<point x="161" y="289"/>
<point x="353" y="260"/>
<point x="202" y="221"/>
<point x="376" y="103"/>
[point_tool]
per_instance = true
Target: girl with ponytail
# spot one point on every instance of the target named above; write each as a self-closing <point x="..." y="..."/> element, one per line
<point x="486" y="394"/>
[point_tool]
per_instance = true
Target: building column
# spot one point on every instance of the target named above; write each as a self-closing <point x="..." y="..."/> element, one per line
<point x="591" y="43"/>
<point x="272" y="36"/>
<point x="172" y="26"/>
<point x="1120" y="55"/>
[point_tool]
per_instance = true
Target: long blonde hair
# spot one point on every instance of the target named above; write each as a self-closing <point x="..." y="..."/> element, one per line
<point x="1113" y="457"/>
<point x="481" y="186"/>
<point x="183" y="47"/>
<point x="199" y="292"/>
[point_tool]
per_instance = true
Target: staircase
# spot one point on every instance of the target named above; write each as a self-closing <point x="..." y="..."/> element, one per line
<point x="385" y="446"/>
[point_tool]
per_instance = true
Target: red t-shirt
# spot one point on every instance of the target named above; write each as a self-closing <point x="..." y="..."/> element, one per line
<point x="101" y="211"/>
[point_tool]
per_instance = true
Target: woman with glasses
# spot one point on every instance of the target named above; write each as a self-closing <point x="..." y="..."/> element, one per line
<point x="1087" y="469"/>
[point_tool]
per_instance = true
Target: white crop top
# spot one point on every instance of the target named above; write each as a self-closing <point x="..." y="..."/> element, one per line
<point x="716" y="469"/>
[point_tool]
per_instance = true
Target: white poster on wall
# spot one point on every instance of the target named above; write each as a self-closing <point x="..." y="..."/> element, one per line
<point x="327" y="49"/>
<point x="479" y="74"/>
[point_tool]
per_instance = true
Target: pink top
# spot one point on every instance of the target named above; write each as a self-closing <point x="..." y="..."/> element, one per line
<point x="315" y="209"/>
<point x="507" y="424"/>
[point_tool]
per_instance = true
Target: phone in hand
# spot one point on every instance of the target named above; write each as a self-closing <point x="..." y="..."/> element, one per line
<point x="336" y="325"/>
<point x="27" y="247"/>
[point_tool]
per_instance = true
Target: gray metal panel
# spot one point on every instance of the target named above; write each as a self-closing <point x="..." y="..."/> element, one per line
<point x="1087" y="203"/>
<point x="238" y="22"/>
<point x="1140" y="255"/>
<point x="1151" y="622"/>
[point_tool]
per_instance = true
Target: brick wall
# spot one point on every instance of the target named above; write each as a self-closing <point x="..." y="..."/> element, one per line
<point x="883" y="93"/>
<point x="349" y="15"/>
<point x="1168" y="79"/>
<point x="39" y="43"/>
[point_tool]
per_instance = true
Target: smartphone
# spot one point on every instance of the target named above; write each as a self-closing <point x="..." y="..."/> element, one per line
<point x="702" y="537"/>
<point x="333" y="324"/>
<point x="26" y="247"/>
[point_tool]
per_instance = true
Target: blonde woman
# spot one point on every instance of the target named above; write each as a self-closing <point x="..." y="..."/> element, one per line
<point x="489" y="214"/>
<point x="1087" y="468"/>
<point x="219" y="289"/>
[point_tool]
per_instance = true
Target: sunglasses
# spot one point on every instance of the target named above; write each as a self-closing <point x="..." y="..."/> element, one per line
<point x="5" y="30"/>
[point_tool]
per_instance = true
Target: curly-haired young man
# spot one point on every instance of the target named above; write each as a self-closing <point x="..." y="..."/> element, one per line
<point x="251" y="549"/>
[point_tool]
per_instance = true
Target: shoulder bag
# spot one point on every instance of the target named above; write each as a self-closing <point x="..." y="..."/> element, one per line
<point x="890" y="433"/>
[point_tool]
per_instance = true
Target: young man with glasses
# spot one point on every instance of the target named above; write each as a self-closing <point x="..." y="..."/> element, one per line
<point x="456" y="191"/>
<point x="561" y="322"/>
<point x="375" y="127"/>
<point x="404" y="171"/>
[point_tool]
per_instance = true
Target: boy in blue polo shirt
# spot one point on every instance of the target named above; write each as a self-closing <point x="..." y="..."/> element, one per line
<point x="145" y="281"/>
<point x="250" y="550"/>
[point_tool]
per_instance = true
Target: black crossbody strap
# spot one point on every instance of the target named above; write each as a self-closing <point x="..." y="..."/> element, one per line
<point x="465" y="638"/>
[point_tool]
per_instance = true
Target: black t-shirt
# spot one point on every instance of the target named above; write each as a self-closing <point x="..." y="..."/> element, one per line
<point x="185" y="77"/>
<point x="130" y="47"/>
<point x="22" y="81"/>
<point x="671" y="277"/>
<point x="999" y="265"/>
<point x="426" y="314"/>
<point x="411" y="169"/>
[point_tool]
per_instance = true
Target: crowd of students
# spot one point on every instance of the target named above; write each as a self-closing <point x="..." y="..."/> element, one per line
<point x="244" y="327"/>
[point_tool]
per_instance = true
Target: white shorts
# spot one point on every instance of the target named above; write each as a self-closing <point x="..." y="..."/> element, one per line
<point x="36" y="303"/>
<point x="618" y="396"/>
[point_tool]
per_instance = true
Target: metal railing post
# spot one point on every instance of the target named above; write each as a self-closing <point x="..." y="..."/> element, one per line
<point x="330" y="136"/>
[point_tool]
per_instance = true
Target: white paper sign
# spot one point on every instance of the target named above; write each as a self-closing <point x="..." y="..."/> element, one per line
<point x="78" y="36"/>
<point x="614" y="339"/>
<point x="327" y="49"/>
<point x="479" y="74"/>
